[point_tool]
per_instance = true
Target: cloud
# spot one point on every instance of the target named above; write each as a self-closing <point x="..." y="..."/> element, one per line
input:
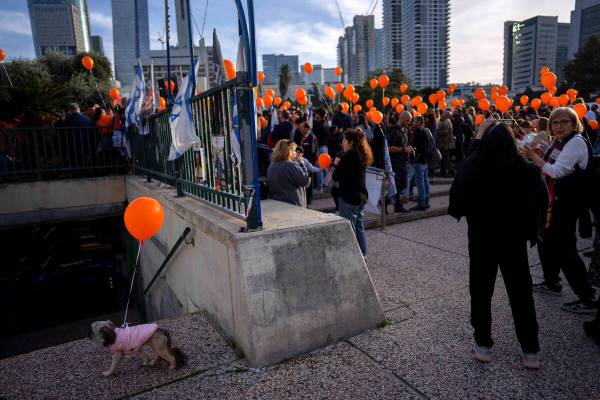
<point x="15" y="22"/>
<point x="98" y="20"/>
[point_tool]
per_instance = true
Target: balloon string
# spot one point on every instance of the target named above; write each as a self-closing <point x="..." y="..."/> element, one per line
<point x="131" y="286"/>
<point x="7" y="75"/>
<point x="98" y="90"/>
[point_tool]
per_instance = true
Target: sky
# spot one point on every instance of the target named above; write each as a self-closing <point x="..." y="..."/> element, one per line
<point x="310" y="28"/>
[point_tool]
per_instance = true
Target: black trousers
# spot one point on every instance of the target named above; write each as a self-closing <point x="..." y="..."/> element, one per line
<point x="399" y="179"/>
<point x="558" y="251"/>
<point x="486" y="256"/>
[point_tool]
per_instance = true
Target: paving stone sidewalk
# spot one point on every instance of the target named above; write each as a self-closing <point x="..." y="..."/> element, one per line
<point x="420" y="271"/>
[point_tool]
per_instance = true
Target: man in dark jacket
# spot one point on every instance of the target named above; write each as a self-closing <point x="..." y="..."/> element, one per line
<point x="283" y="130"/>
<point x="418" y="165"/>
<point x="399" y="151"/>
<point x="341" y="120"/>
<point x="458" y="129"/>
<point x="79" y="153"/>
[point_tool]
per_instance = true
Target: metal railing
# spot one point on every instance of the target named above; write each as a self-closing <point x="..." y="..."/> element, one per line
<point x="46" y="153"/>
<point x="213" y="172"/>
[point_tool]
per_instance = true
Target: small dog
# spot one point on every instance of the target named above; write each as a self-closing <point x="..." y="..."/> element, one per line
<point x="133" y="339"/>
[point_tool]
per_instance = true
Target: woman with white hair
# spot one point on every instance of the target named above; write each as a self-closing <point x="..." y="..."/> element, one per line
<point x="563" y="164"/>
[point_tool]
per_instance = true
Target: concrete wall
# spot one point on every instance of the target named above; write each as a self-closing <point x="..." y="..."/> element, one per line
<point x="297" y="285"/>
<point x="45" y="201"/>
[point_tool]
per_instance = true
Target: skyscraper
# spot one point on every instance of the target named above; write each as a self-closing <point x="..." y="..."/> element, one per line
<point x="181" y="20"/>
<point x="378" y="62"/>
<point x="59" y="26"/>
<point x="416" y="37"/>
<point x="272" y="64"/>
<point x="392" y="38"/>
<point x="131" y="37"/>
<point x="97" y="44"/>
<point x="530" y="45"/>
<point x="585" y="23"/>
<point x="357" y="49"/>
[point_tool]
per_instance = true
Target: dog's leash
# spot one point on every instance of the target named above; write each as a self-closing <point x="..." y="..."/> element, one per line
<point x="131" y="287"/>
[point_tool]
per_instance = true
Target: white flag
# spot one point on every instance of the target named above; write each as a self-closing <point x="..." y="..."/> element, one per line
<point x="183" y="133"/>
<point x="136" y="98"/>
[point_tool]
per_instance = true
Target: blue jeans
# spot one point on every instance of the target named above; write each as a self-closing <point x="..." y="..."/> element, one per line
<point x="356" y="216"/>
<point x="319" y="175"/>
<point x="419" y="171"/>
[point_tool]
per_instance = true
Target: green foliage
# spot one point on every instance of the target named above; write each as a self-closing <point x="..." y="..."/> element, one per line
<point x="285" y="78"/>
<point x="580" y="73"/>
<point x="43" y="88"/>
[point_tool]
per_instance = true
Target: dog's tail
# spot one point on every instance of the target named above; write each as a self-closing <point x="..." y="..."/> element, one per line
<point x="180" y="356"/>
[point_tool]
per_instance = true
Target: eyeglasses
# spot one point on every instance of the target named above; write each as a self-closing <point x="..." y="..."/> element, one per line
<point x="561" y="122"/>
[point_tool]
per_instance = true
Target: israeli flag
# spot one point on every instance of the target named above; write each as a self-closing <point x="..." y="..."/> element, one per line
<point x="235" y="135"/>
<point x="183" y="133"/>
<point x="136" y="98"/>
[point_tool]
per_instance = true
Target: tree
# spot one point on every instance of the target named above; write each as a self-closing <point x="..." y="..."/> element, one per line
<point x="285" y="78"/>
<point x="580" y="73"/>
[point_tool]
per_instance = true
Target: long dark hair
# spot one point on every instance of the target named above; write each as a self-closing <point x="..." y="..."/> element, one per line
<point x="359" y="145"/>
<point x="498" y="154"/>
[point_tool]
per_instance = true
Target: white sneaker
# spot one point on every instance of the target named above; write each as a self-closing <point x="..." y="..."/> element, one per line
<point x="481" y="353"/>
<point x="530" y="360"/>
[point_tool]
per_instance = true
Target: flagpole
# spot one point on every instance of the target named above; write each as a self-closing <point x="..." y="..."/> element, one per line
<point x="191" y="42"/>
<point x="169" y="93"/>
<point x="152" y="85"/>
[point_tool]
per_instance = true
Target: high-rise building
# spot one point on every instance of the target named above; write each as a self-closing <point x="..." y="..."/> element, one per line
<point x="378" y="62"/>
<point x="529" y="46"/>
<point x="59" y="26"/>
<point x="585" y="23"/>
<point x="425" y="51"/>
<point x="272" y="64"/>
<point x="181" y="20"/>
<point x="562" y="47"/>
<point x="97" y="44"/>
<point x="357" y="49"/>
<point x="392" y="38"/>
<point x="131" y="37"/>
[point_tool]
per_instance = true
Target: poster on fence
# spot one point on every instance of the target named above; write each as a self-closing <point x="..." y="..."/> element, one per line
<point x="374" y="183"/>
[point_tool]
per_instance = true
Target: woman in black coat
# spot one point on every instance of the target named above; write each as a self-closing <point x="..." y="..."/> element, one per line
<point x="504" y="199"/>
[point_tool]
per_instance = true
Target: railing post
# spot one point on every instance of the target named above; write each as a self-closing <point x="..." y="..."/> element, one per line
<point x="36" y="154"/>
<point x="178" y="184"/>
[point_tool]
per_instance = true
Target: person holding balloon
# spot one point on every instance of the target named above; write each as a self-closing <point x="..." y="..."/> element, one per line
<point x="287" y="177"/>
<point x="350" y="173"/>
<point x="562" y="164"/>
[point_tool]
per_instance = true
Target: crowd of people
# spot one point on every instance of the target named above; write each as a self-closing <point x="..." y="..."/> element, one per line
<point x="526" y="177"/>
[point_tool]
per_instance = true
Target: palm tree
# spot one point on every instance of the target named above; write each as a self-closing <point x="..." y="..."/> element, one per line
<point x="284" y="80"/>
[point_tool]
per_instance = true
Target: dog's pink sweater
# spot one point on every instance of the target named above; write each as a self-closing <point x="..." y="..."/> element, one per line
<point x="131" y="338"/>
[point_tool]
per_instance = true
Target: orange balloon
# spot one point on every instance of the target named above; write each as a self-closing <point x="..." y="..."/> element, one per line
<point x="329" y="92"/>
<point x="88" y="63"/>
<point x="144" y="217"/>
<point x="394" y="102"/>
<point x="355" y="98"/>
<point x="536" y="103"/>
<point x="277" y="101"/>
<point x="416" y="101"/>
<point x="369" y="116"/>
<point x="544" y="70"/>
<point x="503" y="90"/>
<point x="479" y="94"/>
<point x="270" y="92"/>
<point x="440" y="95"/>
<point x="405" y="99"/>
<point x="308" y="68"/>
<point x="345" y="107"/>
<point x="554" y="102"/>
<point x="114" y="93"/>
<point x="386" y="101"/>
<point x="302" y="101"/>
<point x="324" y="160"/>
<point x="268" y="100"/>
<point x="580" y="109"/>
<point x="162" y="103"/>
<point x="433" y="99"/>
<point x="383" y="81"/>
<point x="287" y="104"/>
<point x="422" y="108"/>
<point x="597" y="100"/>
<point x="339" y="88"/>
<point x="349" y="91"/>
<point x="357" y="108"/>
<point x="300" y="93"/>
<point x="594" y="124"/>
<point x="403" y="88"/>
<point x="172" y="86"/>
<point x="548" y="80"/>
<point x="572" y="92"/>
<point x="524" y="100"/>
<point x="563" y="100"/>
<point x="369" y="103"/>
<point x="259" y="102"/>
<point x="442" y="104"/>
<point x="2" y="55"/>
<point x="229" y="69"/>
<point x="502" y="103"/>
<point x="399" y="108"/>
<point x="373" y="83"/>
<point x="484" y="104"/>
<point x="479" y="119"/>
<point x="377" y="117"/>
<point x="494" y="95"/>
<point x="338" y="71"/>
<point x="546" y="97"/>
<point x="553" y="90"/>
<point x="262" y="122"/>
<point x="261" y="76"/>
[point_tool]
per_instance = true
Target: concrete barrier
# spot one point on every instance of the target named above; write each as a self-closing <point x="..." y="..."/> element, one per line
<point x="295" y="286"/>
<point x="65" y="199"/>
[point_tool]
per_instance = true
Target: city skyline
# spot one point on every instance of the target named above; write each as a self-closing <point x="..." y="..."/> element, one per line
<point x="312" y="33"/>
